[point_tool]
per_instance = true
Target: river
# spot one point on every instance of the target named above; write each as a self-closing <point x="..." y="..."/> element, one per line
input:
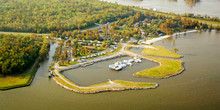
<point x="203" y="7"/>
<point x="196" y="88"/>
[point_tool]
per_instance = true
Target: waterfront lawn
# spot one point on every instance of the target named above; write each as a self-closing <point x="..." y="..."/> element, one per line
<point x="160" y="51"/>
<point x="121" y="85"/>
<point x="167" y="68"/>
<point x="19" y="80"/>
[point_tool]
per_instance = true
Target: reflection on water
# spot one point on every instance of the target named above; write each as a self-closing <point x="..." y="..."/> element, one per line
<point x="192" y="2"/>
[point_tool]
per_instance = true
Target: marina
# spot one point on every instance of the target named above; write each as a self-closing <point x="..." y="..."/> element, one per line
<point x="119" y="65"/>
<point x="100" y="72"/>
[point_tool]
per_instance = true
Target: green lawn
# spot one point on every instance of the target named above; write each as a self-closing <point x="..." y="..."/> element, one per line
<point x="160" y="51"/>
<point x="167" y="68"/>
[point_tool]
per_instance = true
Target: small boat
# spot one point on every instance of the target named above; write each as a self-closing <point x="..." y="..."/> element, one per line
<point x="117" y="63"/>
<point x="137" y="60"/>
<point x="125" y="61"/>
<point x="123" y="65"/>
<point x="129" y="64"/>
<point x="131" y="60"/>
<point x="112" y="66"/>
<point x="118" y="68"/>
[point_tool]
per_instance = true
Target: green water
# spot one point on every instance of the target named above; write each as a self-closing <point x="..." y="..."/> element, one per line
<point x="196" y="88"/>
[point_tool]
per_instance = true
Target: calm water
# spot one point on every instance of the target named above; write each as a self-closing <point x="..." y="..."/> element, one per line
<point x="209" y="7"/>
<point x="196" y="88"/>
<point x="99" y="72"/>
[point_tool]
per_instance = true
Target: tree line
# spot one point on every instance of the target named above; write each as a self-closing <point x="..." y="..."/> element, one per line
<point x="44" y="16"/>
<point x="17" y="53"/>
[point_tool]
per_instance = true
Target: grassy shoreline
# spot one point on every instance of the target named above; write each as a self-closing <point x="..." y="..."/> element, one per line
<point x="119" y="85"/>
<point x="21" y="80"/>
<point x="161" y="52"/>
<point x="167" y="68"/>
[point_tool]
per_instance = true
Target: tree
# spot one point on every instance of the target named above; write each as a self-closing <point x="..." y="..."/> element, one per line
<point x="176" y="50"/>
<point x="217" y="28"/>
<point x="210" y="28"/>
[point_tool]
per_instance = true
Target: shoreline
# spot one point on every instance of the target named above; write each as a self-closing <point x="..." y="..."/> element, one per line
<point x="156" y="61"/>
<point x="70" y="85"/>
<point x="32" y="74"/>
<point x="151" y="41"/>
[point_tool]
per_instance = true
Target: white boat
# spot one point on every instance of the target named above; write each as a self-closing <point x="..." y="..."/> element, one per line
<point x="118" y="68"/>
<point x="129" y="64"/>
<point x="117" y="63"/>
<point x="112" y="66"/>
<point x="123" y="65"/>
<point x="125" y="61"/>
<point x="131" y="60"/>
<point x="137" y="60"/>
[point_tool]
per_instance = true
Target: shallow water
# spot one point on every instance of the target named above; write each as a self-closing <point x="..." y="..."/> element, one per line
<point x="196" y="88"/>
<point x="203" y="7"/>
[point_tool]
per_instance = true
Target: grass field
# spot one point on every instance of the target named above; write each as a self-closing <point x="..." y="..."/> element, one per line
<point x="160" y="51"/>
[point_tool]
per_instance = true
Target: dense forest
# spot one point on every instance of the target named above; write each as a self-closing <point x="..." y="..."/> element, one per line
<point x="17" y="53"/>
<point x="44" y="16"/>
